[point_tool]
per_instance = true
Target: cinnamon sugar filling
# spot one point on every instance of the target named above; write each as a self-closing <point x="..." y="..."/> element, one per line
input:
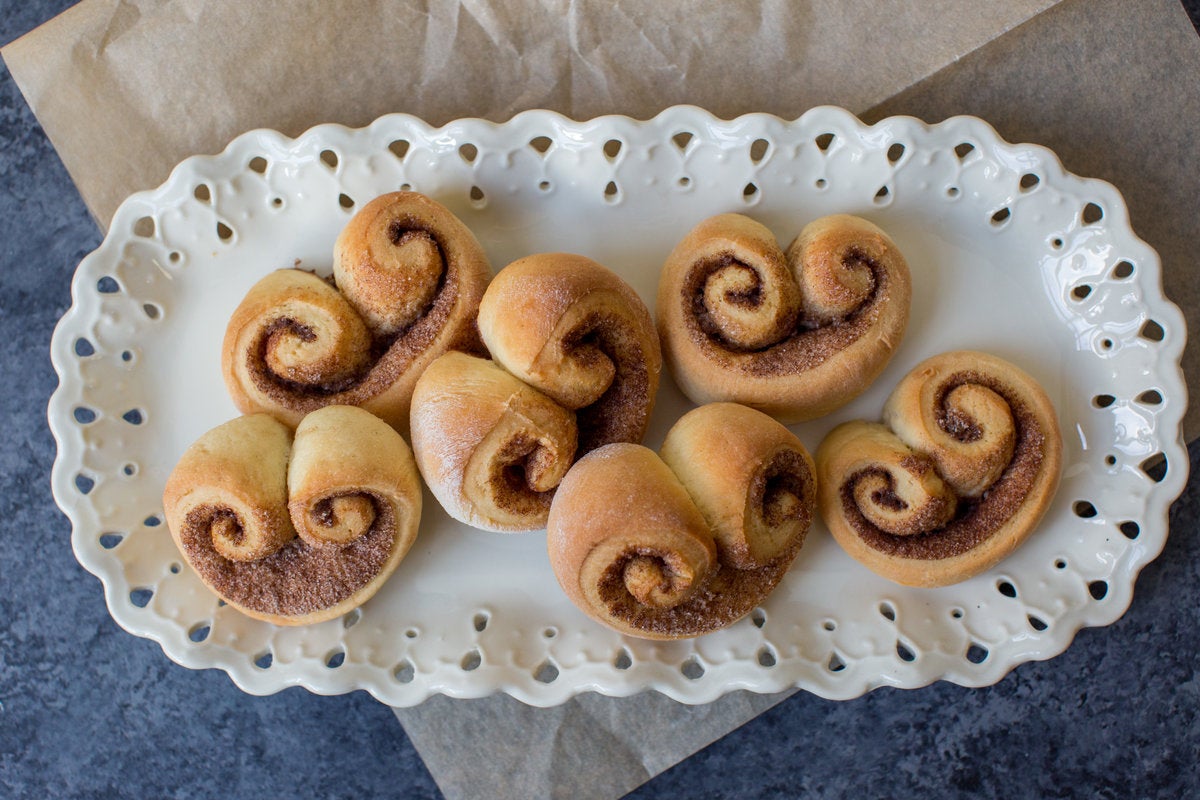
<point x="783" y="490"/>
<point x="623" y="411"/>
<point x="721" y="599"/>
<point x="975" y="520"/>
<point x="802" y="344"/>
<point x="391" y="356"/>
<point x="510" y="485"/>
<point x="296" y="580"/>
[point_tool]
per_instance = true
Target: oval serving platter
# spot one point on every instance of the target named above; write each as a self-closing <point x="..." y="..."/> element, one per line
<point x="1009" y="254"/>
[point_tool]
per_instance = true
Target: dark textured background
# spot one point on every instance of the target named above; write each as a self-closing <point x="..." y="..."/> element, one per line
<point x="87" y="710"/>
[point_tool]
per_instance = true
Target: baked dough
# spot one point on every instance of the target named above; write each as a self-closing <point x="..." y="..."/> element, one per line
<point x="577" y="365"/>
<point x="409" y="277"/>
<point x="795" y="334"/>
<point x="491" y="448"/>
<point x="959" y="475"/>
<point x="346" y="481"/>
<point x="687" y="543"/>
<point x="575" y="331"/>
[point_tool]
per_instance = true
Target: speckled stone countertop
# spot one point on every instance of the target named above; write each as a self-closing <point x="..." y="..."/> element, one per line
<point x="87" y="710"/>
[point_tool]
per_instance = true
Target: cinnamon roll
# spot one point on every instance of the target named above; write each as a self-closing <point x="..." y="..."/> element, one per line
<point x="580" y="335"/>
<point x="959" y="475"/>
<point x="409" y="276"/>
<point x="795" y="334"/>
<point x="687" y="543"/>
<point x="346" y="483"/>
<point x="491" y="448"/>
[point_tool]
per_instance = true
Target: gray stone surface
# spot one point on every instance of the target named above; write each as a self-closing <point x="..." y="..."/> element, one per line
<point x="87" y="710"/>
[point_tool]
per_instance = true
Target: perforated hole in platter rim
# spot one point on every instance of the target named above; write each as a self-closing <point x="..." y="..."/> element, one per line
<point x="144" y="227"/>
<point x="404" y="672"/>
<point x="546" y="672"/>
<point x="692" y="669"/>
<point x="683" y="140"/>
<point x="399" y="148"/>
<point x="766" y="656"/>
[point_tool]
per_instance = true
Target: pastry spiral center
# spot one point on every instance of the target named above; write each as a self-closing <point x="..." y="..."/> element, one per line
<point x="590" y="359"/>
<point x="904" y="500"/>
<point x="978" y="437"/>
<point x="743" y="308"/>
<point x="657" y="581"/>
<point x="340" y="519"/>
<point x="317" y="350"/>
<point x="227" y="532"/>
<point x="231" y="537"/>
<point x="835" y="285"/>
<point x="416" y="268"/>
<point x="523" y="470"/>
<point x="778" y="508"/>
<point x="604" y="376"/>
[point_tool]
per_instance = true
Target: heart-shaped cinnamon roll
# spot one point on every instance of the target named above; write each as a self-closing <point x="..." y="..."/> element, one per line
<point x="409" y="276"/>
<point x="959" y="475"/>
<point x="295" y="530"/>
<point x="575" y="331"/>
<point x="577" y="364"/>
<point x="795" y="334"/>
<point x="686" y="543"/>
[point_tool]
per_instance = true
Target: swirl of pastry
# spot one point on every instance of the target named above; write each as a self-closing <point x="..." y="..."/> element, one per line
<point x="795" y="334"/>
<point x="409" y="277"/>
<point x="960" y="475"/>
<point x="579" y="334"/>
<point x="491" y="448"/>
<point x="751" y="478"/>
<point x="347" y="483"/>
<point x="687" y="543"/>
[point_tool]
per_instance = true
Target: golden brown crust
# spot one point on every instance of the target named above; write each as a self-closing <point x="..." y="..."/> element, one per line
<point x="410" y="276"/>
<point x="218" y="470"/>
<point x="348" y="483"/>
<point x="795" y="334"/>
<point x="685" y="544"/>
<point x="491" y="447"/>
<point x="957" y="479"/>
<point x="578" y="333"/>
<point x="751" y="478"/>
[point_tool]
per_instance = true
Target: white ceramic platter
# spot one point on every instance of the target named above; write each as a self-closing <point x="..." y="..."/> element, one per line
<point x="1008" y="252"/>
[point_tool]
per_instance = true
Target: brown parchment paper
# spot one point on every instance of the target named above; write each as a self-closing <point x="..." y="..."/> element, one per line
<point x="127" y="88"/>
